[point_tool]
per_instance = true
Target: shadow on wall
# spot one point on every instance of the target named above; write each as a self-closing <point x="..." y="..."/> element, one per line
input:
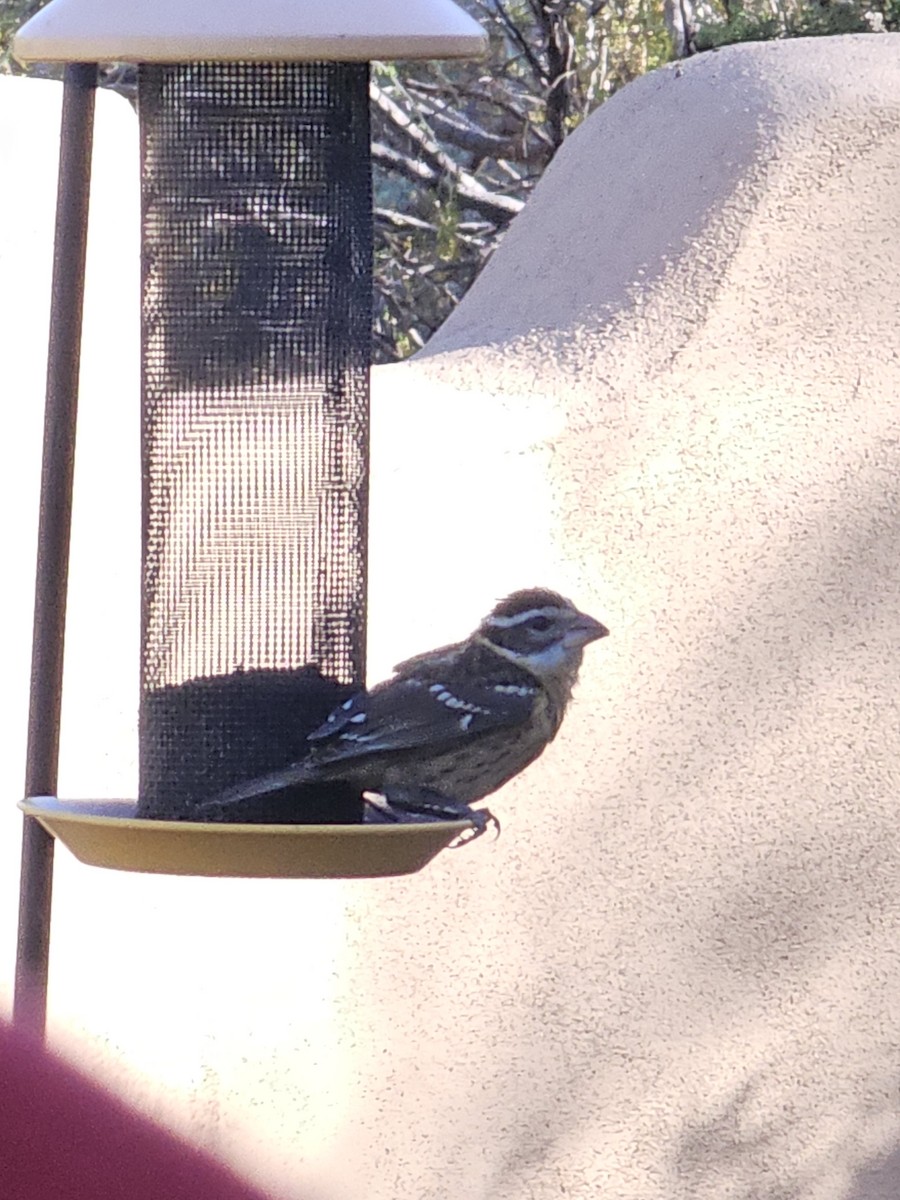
<point x="878" y="1183"/>
<point x="737" y="1152"/>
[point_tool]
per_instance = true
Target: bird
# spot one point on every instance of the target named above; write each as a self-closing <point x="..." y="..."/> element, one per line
<point x="453" y="725"/>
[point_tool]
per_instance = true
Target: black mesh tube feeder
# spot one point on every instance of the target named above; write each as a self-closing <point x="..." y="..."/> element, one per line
<point x="256" y="247"/>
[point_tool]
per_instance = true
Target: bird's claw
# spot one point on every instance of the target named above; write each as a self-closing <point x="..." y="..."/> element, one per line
<point x="482" y="819"/>
<point x="423" y="804"/>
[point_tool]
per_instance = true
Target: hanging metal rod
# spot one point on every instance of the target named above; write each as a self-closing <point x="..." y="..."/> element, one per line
<point x="57" y="472"/>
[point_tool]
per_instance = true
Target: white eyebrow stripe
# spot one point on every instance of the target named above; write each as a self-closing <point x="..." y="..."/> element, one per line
<point x="552" y="610"/>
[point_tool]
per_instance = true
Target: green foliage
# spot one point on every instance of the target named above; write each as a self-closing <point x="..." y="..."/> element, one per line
<point x="759" y="22"/>
<point x="13" y="13"/>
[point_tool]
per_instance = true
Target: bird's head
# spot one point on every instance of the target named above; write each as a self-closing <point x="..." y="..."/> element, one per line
<point x="541" y="632"/>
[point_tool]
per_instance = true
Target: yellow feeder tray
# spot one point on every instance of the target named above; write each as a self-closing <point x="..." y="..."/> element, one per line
<point x="106" y="833"/>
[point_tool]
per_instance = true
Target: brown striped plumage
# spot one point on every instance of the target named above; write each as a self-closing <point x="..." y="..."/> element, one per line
<point x="453" y="725"/>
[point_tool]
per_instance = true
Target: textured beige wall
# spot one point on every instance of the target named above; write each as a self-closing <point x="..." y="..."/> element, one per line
<point x="671" y="394"/>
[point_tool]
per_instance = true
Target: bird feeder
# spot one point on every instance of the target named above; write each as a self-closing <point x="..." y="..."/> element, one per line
<point x="256" y="247"/>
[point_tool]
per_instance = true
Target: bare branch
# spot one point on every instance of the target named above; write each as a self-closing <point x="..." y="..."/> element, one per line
<point x="410" y="168"/>
<point x="464" y="133"/>
<point x="399" y="220"/>
<point x="516" y="36"/>
<point x="471" y="193"/>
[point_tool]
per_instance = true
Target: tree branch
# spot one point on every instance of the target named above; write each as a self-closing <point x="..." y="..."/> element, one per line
<point x="437" y="166"/>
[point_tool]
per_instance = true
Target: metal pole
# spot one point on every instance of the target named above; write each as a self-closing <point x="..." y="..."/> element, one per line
<point x="36" y="883"/>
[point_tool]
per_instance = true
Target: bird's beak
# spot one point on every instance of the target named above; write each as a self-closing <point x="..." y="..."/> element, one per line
<point x="585" y="629"/>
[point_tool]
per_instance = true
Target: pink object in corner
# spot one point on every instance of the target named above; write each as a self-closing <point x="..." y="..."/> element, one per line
<point x="64" y="1138"/>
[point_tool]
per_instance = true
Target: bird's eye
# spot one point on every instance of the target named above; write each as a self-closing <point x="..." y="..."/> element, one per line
<point x="540" y="624"/>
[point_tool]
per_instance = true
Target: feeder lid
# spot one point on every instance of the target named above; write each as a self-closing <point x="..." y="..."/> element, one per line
<point x="106" y="833"/>
<point x="265" y="31"/>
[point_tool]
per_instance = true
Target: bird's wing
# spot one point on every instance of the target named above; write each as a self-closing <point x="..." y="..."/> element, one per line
<point x="398" y="715"/>
<point x="430" y="659"/>
<point x="411" y="714"/>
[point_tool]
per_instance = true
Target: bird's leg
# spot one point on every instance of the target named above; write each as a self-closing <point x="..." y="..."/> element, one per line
<point x="482" y="819"/>
<point x="425" y="804"/>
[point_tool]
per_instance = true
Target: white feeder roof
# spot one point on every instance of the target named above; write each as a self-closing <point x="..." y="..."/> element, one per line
<point x="233" y="30"/>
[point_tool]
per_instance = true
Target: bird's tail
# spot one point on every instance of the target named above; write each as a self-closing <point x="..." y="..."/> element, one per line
<point x="257" y="788"/>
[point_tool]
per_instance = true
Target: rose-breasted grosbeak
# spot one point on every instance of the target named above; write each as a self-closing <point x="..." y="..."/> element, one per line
<point x="455" y="724"/>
